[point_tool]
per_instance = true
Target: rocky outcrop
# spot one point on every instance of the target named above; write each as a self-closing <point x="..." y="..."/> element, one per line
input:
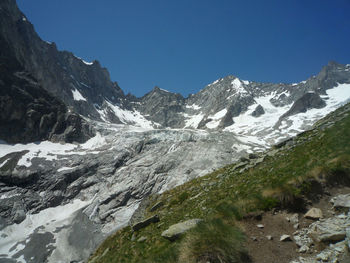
<point x="145" y="222"/>
<point x="259" y="110"/>
<point x="29" y="113"/>
<point x="307" y="101"/>
<point x="163" y="107"/>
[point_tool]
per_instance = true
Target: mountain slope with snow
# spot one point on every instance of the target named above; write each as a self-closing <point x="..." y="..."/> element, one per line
<point x="59" y="198"/>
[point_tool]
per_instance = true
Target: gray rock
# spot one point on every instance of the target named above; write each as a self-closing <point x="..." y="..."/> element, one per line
<point x="303" y="249"/>
<point x="19" y="216"/>
<point x="175" y="231"/>
<point x="341" y="201"/>
<point x="294" y="219"/>
<point x="330" y="230"/>
<point x="314" y="213"/>
<point x="285" y="238"/>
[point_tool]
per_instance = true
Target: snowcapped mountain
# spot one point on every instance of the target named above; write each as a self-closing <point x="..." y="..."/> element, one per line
<point x="60" y="195"/>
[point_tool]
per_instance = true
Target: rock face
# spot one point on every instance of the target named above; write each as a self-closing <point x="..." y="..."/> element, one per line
<point x="307" y="101"/>
<point x="29" y="113"/>
<point x="175" y="231"/>
<point x="60" y="73"/>
<point x="341" y="201"/>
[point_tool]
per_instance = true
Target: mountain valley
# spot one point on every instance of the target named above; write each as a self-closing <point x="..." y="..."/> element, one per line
<point x="80" y="160"/>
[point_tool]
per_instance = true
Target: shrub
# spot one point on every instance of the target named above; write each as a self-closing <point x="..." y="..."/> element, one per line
<point x="215" y="242"/>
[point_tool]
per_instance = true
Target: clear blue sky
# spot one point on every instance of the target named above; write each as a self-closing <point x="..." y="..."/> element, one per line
<point x="182" y="45"/>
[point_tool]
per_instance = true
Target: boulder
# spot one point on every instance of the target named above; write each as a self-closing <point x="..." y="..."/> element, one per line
<point x="175" y="231"/>
<point x="314" y="213"/>
<point x="330" y="230"/>
<point x="146" y="222"/>
<point x="341" y="201"/>
<point x="285" y="238"/>
<point x="294" y="219"/>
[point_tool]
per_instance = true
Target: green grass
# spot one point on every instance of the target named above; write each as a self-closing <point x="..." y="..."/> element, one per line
<point x="321" y="156"/>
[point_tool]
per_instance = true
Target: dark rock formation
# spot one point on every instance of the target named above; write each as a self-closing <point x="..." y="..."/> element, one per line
<point x="29" y="113"/>
<point x="163" y="107"/>
<point x="307" y="101"/>
<point x="59" y="72"/>
<point x="259" y="110"/>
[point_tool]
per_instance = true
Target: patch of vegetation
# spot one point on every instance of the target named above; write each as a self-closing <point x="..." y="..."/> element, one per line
<point x="287" y="175"/>
<point x="213" y="241"/>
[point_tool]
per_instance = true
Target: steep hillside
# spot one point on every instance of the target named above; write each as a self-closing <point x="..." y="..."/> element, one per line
<point x="285" y="177"/>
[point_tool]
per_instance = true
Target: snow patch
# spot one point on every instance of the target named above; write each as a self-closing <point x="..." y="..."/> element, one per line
<point x="193" y="120"/>
<point x="130" y="117"/>
<point x="247" y="125"/>
<point x="165" y="90"/>
<point x="216" y="81"/>
<point x="45" y="221"/>
<point x="193" y="106"/>
<point x="94" y="143"/>
<point x="238" y="87"/>
<point x="45" y="149"/>
<point x="51" y="151"/>
<point x="85" y="62"/>
<point x="4" y="162"/>
<point x="64" y="169"/>
<point x="216" y="118"/>
<point x="77" y="95"/>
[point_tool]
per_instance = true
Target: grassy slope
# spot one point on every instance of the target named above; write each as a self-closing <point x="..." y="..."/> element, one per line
<point x="283" y="176"/>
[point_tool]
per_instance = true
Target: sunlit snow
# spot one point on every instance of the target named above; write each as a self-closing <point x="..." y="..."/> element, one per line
<point x="85" y="62"/>
<point x="216" y="118"/>
<point x="249" y="128"/>
<point x="193" y="106"/>
<point x="128" y="117"/>
<point x="77" y="95"/>
<point x="49" y="150"/>
<point x="47" y="220"/>
<point x="192" y="121"/>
